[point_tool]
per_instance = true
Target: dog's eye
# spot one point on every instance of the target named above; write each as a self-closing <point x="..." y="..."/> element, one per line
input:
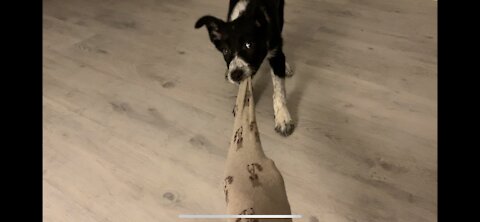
<point x="248" y="45"/>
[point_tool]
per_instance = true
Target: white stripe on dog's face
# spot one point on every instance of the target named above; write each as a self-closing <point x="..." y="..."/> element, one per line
<point x="238" y="63"/>
<point x="238" y="9"/>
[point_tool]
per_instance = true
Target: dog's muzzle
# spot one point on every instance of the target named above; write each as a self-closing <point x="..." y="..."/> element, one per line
<point x="238" y="69"/>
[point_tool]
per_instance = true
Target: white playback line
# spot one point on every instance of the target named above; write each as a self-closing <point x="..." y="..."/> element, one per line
<point x="222" y="216"/>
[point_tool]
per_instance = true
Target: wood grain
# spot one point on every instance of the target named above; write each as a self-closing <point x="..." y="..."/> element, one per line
<point x="137" y="114"/>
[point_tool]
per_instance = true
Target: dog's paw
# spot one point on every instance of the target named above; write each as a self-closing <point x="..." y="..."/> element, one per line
<point x="283" y="122"/>
<point x="284" y="128"/>
<point x="288" y="70"/>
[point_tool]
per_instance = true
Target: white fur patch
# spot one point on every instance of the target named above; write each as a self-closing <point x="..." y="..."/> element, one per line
<point x="288" y="70"/>
<point x="238" y="63"/>
<point x="282" y="116"/>
<point x="279" y="100"/>
<point x="238" y="9"/>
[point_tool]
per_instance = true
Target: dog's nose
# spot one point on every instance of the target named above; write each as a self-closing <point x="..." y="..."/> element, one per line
<point x="236" y="75"/>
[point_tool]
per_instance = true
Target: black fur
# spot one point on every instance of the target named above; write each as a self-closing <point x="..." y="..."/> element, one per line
<point x="246" y="41"/>
<point x="260" y="26"/>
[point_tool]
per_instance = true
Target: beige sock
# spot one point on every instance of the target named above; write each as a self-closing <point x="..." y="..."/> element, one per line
<point x="253" y="184"/>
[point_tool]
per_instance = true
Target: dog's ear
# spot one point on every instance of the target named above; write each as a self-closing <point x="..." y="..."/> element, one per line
<point x="214" y="26"/>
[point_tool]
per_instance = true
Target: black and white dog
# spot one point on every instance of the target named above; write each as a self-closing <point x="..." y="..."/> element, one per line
<point x="253" y="31"/>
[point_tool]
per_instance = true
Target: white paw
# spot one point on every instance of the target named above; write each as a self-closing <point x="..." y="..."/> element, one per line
<point x="284" y="128"/>
<point x="288" y="70"/>
<point x="283" y="122"/>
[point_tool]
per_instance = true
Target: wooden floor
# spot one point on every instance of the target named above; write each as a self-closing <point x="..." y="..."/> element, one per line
<point x="137" y="113"/>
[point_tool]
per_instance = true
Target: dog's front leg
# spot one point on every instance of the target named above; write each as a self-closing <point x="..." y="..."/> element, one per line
<point x="283" y="121"/>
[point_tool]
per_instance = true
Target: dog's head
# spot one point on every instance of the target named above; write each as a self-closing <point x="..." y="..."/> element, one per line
<point x="242" y="42"/>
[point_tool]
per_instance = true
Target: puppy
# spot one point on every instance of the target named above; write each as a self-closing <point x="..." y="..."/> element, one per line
<point x="253" y="31"/>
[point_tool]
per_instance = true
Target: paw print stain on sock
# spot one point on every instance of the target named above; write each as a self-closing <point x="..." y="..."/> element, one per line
<point x="246" y="100"/>
<point x="253" y="175"/>
<point x="248" y="211"/>
<point x="234" y="111"/>
<point x="238" y="138"/>
<point x="257" y="136"/>
<point x="227" y="181"/>
<point x="253" y="126"/>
